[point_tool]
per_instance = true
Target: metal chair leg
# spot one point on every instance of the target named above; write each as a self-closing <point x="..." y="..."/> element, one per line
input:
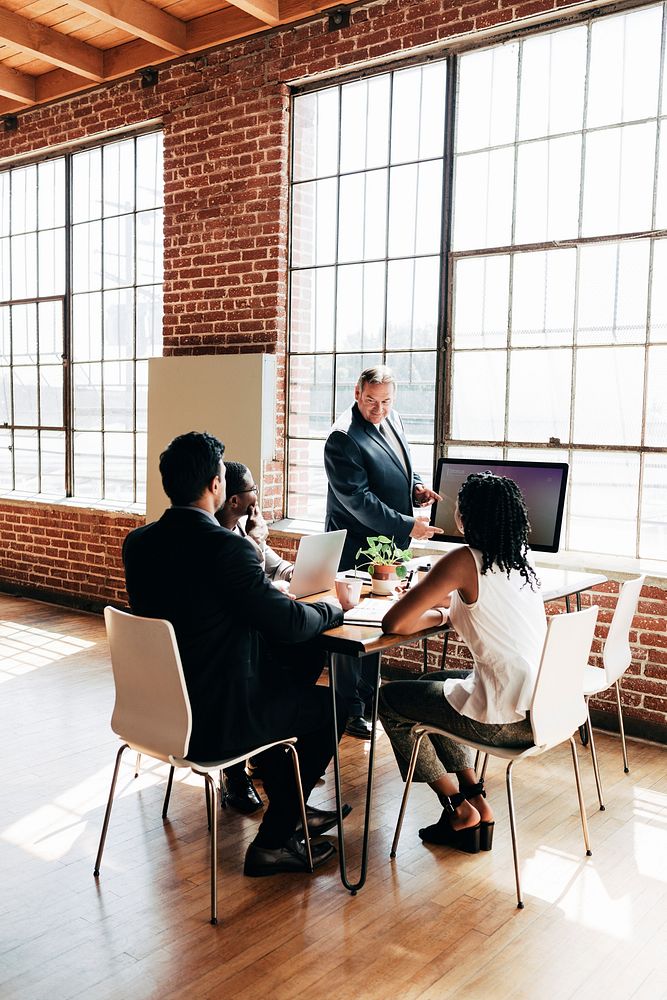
<point x="302" y="803"/>
<point x="621" y="728"/>
<point x="582" y="810"/>
<point x="137" y="765"/>
<point x="170" y="781"/>
<point x="515" y="848"/>
<point x="484" y="767"/>
<point x="212" y="802"/>
<point x="406" y="792"/>
<point x="208" y="804"/>
<point x="107" y="814"/>
<point x="594" y="758"/>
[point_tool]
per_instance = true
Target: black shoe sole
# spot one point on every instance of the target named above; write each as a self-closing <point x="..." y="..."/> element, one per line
<point x="287" y="867"/>
<point x="486" y="835"/>
<point x="246" y="808"/>
<point x="357" y="733"/>
<point x="318" y="831"/>
<point x="467" y="840"/>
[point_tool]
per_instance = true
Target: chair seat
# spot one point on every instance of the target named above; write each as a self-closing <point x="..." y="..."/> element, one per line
<point x="203" y="767"/>
<point x="595" y="680"/>
<point x="506" y="753"/>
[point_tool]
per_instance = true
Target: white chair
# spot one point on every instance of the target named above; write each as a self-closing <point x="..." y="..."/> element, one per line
<point x="557" y="710"/>
<point x="152" y="716"/>
<point x="616" y="657"/>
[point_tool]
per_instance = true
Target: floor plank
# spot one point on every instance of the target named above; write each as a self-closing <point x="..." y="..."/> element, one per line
<point x="429" y="925"/>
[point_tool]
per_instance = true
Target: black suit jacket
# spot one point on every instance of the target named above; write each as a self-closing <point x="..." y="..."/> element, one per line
<point x="234" y="628"/>
<point x="369" y="491"/>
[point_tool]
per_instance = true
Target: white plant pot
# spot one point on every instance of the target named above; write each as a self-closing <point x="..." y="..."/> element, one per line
<point x="382" y="588"/>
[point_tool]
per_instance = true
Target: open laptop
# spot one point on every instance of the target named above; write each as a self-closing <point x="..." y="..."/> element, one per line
<point x="316" y="563"/>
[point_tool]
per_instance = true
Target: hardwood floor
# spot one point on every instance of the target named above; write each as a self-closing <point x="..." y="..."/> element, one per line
<point x="430" y="925"/>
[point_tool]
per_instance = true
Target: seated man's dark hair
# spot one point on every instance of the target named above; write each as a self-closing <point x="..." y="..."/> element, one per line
<point x="235" y="476"/>
<point x="495" y="521"/>
<point x="188" y="464"/>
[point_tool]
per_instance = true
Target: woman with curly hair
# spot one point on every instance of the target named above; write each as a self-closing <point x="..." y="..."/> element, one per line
<point x="490" y="591"/>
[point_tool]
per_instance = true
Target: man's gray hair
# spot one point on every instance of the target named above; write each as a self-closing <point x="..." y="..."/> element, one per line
<point x="377" y="375"/>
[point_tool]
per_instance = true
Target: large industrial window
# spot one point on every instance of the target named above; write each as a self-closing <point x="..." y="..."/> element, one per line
<point x="366" y="264"/>
<point x="553" y="314"/>
<point x="80" y="314"/>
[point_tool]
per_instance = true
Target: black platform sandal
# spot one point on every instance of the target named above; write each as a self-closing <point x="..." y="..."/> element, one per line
<point x="442" y="832"/>
<point x="486" y="827"/>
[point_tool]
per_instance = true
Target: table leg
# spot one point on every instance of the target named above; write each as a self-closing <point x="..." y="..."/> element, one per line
<point x="583" y="730"/>
<point x="353" y="887"/>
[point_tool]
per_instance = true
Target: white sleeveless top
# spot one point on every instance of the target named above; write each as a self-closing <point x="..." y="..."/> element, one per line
<point x="504" y="630"/>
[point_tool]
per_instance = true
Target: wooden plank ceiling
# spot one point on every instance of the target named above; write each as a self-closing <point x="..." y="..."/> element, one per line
<point x="49" y="49"/>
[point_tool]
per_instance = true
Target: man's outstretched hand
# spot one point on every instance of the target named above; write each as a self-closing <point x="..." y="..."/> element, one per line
<point x="422" y="529"/>
<point x="422" y="496"/>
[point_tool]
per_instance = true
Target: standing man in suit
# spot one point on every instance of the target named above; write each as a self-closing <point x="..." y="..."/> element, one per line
<point x="236" y="634"/>
<point x="372" y="491"/>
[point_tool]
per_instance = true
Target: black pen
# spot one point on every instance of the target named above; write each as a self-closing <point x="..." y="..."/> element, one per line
<point x="408" y="580"/>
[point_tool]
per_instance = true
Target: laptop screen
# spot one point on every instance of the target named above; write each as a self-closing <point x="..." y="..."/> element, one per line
<point x="543" y="485"/>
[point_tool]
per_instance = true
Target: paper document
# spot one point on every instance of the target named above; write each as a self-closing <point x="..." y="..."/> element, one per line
<point x="370" y="611"/>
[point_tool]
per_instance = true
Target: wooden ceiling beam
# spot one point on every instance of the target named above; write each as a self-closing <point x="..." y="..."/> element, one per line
<point x="51" y="46"/>
<point x="8" y="107"/>
<point x="125" y="59"/>
<point x="264" y="10"/>
<point x="203" y="32"/>
<point x="294" y="10"/>
<point x="17" y="86"/>
<point x="141" y="19"/>
<point x="221" y="26"/>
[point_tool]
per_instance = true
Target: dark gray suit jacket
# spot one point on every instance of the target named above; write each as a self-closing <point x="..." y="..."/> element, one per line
<point x="235" y="630"/>
<point x="369" y="491"/>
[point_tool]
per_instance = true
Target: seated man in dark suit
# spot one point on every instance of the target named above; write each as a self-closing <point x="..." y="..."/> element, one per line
<point x="236" y="634"/>
<point x="240" y="513"/>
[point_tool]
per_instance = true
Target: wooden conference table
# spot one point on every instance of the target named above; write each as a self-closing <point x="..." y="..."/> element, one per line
<point x="367" y="640"/>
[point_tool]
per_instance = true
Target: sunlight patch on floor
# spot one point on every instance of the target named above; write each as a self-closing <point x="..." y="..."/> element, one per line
<point x="24" y="648"/>
<point x="49" y="832"/>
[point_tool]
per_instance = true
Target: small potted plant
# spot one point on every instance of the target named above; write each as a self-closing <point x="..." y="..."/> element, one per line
<point x="385" y="562"/>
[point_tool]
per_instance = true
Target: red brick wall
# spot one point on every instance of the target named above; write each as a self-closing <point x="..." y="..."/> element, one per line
<point x="225" y="116"/>
<point x="63" y="553"/>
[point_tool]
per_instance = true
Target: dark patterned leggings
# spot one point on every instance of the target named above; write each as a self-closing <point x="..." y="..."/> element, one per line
<point x="404" y="703"/>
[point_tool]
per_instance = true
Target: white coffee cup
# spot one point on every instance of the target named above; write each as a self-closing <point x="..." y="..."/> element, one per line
<point x="348" y="590"/>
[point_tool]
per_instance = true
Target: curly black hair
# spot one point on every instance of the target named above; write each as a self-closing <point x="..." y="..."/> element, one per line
<point x="495" y="521"/>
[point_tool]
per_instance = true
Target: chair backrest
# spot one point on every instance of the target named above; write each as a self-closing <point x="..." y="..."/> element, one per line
<point x="152" y="711"/>
<point x="616" y="655"/>
<point x="558" y="705"/>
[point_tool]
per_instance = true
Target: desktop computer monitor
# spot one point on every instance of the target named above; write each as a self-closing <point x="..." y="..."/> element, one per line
<point x="543" y="485"/>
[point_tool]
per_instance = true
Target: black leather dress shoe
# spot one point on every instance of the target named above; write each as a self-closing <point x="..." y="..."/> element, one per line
<point x="321" y="820"/>
<point x="241" y="794"/>
<point x="260" y="861"/>
<point x="357" y="726"/>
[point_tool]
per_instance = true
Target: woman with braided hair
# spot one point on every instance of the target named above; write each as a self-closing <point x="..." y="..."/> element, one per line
<point x="490" y="591"/>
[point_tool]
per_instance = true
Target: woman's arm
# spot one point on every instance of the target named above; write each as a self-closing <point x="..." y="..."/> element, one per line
<point x="416" y="610"/>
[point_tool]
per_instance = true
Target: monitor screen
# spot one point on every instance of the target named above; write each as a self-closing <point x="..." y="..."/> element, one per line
<point x="543" y="486"/>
